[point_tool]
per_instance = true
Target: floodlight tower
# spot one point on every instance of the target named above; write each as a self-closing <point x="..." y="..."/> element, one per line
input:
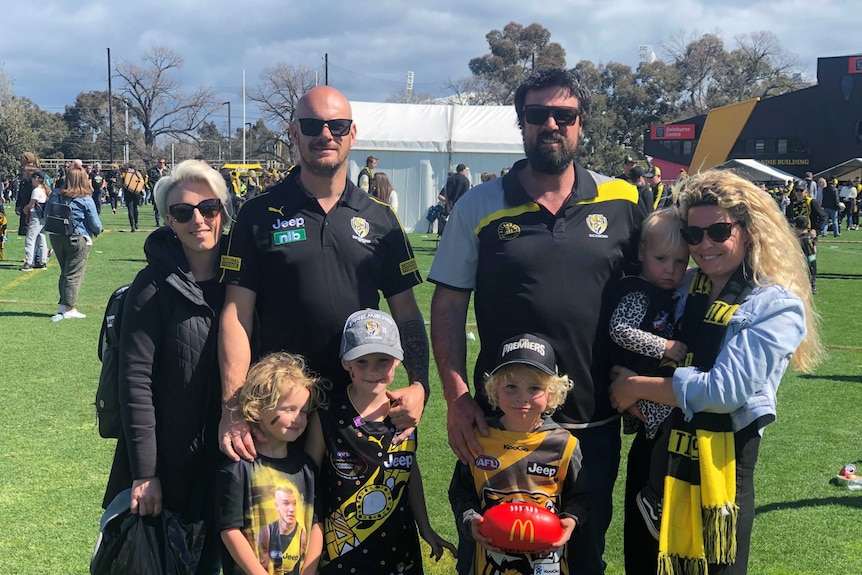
<point x="646" y="53"/>
<point x="409" y="91"/>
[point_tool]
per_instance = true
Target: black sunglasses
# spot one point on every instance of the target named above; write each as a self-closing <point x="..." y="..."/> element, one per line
<point x="314" y="126"/>
<point x="538" y="115"/>
<point x="719" y="232"/>
<point x="183" y="213"/>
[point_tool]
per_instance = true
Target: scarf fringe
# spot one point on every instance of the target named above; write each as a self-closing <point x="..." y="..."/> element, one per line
<point x="678" y="565"/>
<point x="719" y="533"/>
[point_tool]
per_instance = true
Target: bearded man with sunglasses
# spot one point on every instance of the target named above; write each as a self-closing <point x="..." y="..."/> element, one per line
<point x="543" y="248"/>
<point x="306" y="254"/>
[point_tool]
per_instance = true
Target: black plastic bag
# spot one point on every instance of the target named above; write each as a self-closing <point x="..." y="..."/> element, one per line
<point x="129" y="544"/>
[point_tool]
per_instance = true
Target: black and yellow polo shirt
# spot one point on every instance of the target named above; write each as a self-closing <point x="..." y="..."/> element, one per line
<point x="310" y="270"/>
<point x="547" y="274"/>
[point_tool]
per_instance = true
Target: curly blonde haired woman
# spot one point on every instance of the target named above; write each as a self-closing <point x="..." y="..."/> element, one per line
<point x="746" y="316"/>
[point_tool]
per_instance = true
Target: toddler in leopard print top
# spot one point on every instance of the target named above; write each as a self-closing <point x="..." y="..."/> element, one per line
<point x="642" y="322"/>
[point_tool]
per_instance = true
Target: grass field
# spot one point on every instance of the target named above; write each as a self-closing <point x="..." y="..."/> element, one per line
<point x="53" y="464"/>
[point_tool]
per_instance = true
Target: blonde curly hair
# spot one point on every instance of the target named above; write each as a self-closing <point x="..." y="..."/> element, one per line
<point x="773" y="253"/>
<point x="558" y="386"/>
<point x="271" y="377"/>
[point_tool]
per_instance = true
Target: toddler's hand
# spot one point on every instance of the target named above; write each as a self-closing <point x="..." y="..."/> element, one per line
<point x="675" y="350"/>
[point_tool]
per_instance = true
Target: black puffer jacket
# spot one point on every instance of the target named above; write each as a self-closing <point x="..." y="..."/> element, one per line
<point x="830" y="198"/>
<point x="170" y="387"/>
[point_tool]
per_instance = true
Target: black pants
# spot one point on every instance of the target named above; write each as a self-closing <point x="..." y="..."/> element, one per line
<point x="132" y="205"/>
<point x="97" y="199"/>
<point x="641" y="549"/>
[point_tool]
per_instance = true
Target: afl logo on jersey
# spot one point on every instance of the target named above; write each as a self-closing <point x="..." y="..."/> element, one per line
<point x="487" y="463"/>
<point x="597" y="223"/>
<point x="508" y="231"/>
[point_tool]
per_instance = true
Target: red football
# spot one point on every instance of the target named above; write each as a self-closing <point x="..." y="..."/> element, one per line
<point x="521" y="526"/>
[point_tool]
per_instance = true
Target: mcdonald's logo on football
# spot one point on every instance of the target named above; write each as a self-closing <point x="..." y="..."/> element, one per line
<point x="522" y="525"/>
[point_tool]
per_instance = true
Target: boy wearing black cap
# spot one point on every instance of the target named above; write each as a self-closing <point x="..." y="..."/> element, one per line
<point x="375" y="498"/>
<point x="525" y="457"/>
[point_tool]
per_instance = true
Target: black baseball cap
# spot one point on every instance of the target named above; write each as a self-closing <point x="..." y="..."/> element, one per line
<point x="530" y="350"/>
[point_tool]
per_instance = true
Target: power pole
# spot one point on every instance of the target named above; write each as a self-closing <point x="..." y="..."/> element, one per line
<point x="110" y="112"/>
<point x="229" y="135"/>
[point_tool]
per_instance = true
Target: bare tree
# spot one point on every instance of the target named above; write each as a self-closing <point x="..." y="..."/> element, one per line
<point x="402" y="97"/>
<point x="759" y="67"/>
<point x="699" y="60"/>
<point x="158" y="103"/>
<point x="278" y="94"/>
<point x="473" y="91"/>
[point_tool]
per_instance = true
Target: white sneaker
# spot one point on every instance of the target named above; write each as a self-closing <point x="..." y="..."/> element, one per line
<point x="73" y="314"/>
<point x="56" y="318"/>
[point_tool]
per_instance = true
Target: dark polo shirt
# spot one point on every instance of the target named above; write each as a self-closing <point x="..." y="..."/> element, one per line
<point x="311" y="270"/>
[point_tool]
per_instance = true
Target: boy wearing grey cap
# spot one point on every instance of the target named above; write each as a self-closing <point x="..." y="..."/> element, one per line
<point x="525" y="457"/>
<point x="374" y="498"/>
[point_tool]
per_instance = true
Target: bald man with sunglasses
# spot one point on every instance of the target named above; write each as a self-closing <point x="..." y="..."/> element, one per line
<point x="305" y="255"/>
<point x="542" y="248"/>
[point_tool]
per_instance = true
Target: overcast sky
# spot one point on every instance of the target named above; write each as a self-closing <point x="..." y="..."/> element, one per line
<point x="56" y="49"/>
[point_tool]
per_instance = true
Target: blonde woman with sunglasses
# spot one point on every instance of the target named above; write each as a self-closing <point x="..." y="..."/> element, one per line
<point x="746" y="315"/>
<point x="169" y="380"/>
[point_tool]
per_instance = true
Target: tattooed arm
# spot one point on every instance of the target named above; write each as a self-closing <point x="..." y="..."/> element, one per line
<point x="408" y="403"/>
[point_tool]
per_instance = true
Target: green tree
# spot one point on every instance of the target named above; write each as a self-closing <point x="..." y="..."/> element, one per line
<point x="262" y="144"/>
<point x="624" y="104"/>
<point x="211" y="142"/>
<point x="87" y="122"/>
<point x="515" y="51"/>
<point x="25" y="127"/>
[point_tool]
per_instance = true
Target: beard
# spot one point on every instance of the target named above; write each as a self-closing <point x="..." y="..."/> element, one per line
<point x="550" y="161"/>
<point x="318" y="167"/>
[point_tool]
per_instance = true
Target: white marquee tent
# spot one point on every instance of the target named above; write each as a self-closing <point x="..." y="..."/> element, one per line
<point x="845" y="170"/>
<point x="417" y="145"/>
<point x="756" y="171"/>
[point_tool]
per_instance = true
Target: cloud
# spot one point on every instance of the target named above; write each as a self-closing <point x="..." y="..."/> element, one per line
<point x="373" y="44"/>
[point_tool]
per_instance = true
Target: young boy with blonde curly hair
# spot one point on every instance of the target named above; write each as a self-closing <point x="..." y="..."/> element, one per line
<point x="525" y="457"/>
<point x="268" y="511"/>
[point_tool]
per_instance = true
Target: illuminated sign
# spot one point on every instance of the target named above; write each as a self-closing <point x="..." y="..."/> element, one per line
<point x="854" y="65"/>
<point x="672" y="132"/>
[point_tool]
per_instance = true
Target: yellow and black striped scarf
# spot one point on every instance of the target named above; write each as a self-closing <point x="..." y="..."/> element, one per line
<point x="699" y="514"/>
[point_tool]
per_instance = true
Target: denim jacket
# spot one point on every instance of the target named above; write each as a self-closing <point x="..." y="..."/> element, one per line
<point x="84" y="215"/>
<point x="762" y="336"/>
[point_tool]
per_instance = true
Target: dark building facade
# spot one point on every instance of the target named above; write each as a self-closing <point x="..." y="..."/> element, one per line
<point x="809" y="130"/>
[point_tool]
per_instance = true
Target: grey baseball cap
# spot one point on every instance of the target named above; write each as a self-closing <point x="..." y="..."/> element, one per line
<point x="370" y="331"/>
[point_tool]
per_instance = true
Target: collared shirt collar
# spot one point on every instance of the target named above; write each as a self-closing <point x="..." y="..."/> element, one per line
<point x="349" y="197"/>
<point x="585" y="186"/>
